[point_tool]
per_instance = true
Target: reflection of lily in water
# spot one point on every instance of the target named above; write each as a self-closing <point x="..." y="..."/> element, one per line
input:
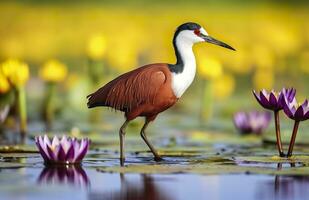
<point x="67" y="174"/>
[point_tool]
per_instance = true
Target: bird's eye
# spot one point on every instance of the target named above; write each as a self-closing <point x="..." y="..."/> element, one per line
<point x="197" y="32"/>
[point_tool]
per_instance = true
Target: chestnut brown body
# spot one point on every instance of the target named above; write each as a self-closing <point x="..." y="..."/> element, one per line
<point x="145" y="91"/>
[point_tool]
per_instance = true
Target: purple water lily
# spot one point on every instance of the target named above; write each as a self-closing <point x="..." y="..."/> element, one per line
<point x="64" y="151"/>
<point x="297" y="112"/>
<point x="252" y="122"/>
<point x="275" y="101"/>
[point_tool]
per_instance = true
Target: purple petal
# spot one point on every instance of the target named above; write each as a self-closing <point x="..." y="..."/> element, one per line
<point x="46" y="140"/>
<point x="76" y="145"/>
<point x="290" y="94"/>
<point x="306" y="107"/>
<point x="299" y="114"/>
<point x="287" y="110"/>
<point x="70" y="154"/>
<point x="83" y="150"/>
<point x="61" y="154"/>
<point x="273" y="100"/>
<point x="42" y="152"/>
<point x="265" y="93"/>
<point x="306" y="116"/>
<point x="264" y="101"/>
<point x="51" y="154"/>
<point x="43" y="142"/>
<point x="305" y="104"/>
<point x="65" y="143"/>
<point x="55" y="141"/>
<point x="256" y="96"/>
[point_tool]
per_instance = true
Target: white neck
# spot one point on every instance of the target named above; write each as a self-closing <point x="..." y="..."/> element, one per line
<point x="181" y="81"/>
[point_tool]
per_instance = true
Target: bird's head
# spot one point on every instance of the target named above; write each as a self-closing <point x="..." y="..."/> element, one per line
<point x="192" y="33"/>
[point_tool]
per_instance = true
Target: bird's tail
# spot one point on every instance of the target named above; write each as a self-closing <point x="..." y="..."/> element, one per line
<point x="92" y="101"/>
<point x="89" y="103"/>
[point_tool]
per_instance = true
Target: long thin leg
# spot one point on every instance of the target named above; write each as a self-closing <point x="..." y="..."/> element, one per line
<point x="278" y="136"/>
<point x="122" y="133"/>
<point x="153" y="150"/>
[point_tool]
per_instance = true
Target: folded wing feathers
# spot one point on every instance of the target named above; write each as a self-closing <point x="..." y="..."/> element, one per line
<point x="129" y="90"/>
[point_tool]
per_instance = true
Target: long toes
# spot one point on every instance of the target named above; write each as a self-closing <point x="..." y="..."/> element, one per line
<point x="282" y="154"/>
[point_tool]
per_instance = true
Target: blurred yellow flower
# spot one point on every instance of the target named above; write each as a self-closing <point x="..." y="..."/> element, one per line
<point x="224" y="86"/>
<point x="96" y="47"/>
<point x="53" y="71"/>
<point x="16" y="71"/>
<point x="4" y="84"/>
<point x="263" y="79"/>
<point x="209" y="68"/>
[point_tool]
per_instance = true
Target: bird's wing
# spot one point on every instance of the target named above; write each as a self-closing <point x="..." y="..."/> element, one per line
<point x="131" y="89"/>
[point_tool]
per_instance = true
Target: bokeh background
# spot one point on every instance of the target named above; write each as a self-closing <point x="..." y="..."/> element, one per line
<point x="88" y="43"/>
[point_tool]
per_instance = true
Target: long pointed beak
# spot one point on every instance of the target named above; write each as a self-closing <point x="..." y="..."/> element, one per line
<point x="216" y="42"/>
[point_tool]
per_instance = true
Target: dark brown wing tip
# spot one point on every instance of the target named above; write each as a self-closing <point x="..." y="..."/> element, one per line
<point x="89" y="103"/>
<point x="89" y="95"/>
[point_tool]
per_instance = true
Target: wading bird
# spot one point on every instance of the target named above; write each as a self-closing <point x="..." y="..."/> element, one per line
<point x="151" y="89"/>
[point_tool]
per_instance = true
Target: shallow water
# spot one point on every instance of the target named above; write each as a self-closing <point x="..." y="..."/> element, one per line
<point x="37" y="181"/>
<point x="199" y="165"/>
<point x="88" y="183"/>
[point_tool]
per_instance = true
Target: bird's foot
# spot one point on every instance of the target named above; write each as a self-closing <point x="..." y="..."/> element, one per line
<point x="281" y="154"/>
<point x="158" y="158"/>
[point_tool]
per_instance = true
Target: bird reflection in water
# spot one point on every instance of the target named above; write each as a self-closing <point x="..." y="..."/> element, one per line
<point x="144" y="188"/>
<point x="67" y="174"/>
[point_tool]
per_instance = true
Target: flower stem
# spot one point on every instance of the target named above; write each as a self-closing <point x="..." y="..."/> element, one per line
<point x="22" y="109"/>
<point x="293" y="138"/>
<point x="278" y="135"/>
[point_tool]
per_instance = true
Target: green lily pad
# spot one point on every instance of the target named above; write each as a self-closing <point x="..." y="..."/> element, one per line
<point x="18" y="155"/>
<point x="18" y="149"/>
<point x="210" y="137"/>
<point x="207" y="169"/>
<point x="274" y="159"/>
<point x="12" y="165"/>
